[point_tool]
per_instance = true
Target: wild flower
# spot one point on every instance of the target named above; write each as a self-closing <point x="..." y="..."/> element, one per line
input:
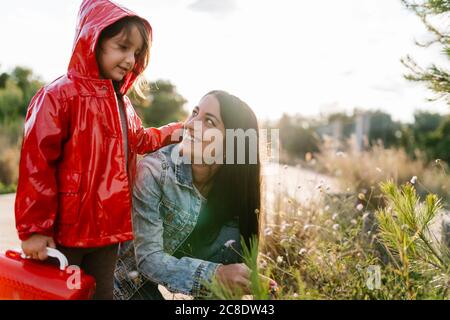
<point x="262" y="264"/>
<point x="229" y="243"/>
<point x="133" y="275"/>
<point x="284" y="226"/>
<point x="360" y="207"/>
<point x="413" y="180"/>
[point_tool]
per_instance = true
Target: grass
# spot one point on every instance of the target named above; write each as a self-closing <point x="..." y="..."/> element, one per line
<point x="360" y="244"/>
<point x="361" y="172"/>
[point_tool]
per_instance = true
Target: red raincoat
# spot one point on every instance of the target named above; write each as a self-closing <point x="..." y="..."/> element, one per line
<point x="73" y="184"/>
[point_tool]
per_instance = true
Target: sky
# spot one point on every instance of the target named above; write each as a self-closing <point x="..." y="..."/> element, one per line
<point x="284" y="56"/>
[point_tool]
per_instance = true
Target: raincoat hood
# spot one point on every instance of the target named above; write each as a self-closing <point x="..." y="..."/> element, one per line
<point x="93" y="17"/>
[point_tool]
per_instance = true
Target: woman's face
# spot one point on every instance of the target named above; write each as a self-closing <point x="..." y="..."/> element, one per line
<point x="204" y="133"/>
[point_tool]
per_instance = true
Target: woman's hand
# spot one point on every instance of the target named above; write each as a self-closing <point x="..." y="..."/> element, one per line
<point x="234" y="276"/>
<point x="36" y="246"/>
<point x="237" y="276"/>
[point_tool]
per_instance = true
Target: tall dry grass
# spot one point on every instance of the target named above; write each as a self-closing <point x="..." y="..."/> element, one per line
<point x="361" y="171"/>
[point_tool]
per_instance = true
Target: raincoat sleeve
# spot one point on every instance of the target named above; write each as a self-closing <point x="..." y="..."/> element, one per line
<point x="152" y="139"/>
<point x="186" y="275"/>
<point x="46" y="127"/>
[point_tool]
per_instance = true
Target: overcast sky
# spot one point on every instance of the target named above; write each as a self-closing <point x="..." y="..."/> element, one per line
<point x="291" y="56"/>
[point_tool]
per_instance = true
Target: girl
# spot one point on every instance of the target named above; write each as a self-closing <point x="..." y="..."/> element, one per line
<point x="81" y="137"/>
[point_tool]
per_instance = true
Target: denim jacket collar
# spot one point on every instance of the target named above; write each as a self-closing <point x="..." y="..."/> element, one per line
<point x="183" y="171"/>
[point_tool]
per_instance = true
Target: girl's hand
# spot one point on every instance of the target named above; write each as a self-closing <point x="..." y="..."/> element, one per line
<point x="36" y="246"/>
<point x="234" y="276"/>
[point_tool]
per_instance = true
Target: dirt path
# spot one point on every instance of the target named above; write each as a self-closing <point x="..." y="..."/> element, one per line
<point x="8" y="235"/>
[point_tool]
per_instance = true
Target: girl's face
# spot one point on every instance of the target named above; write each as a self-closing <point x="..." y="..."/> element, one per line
<point x="203" y="127"/>
<point x="117" y="55"/>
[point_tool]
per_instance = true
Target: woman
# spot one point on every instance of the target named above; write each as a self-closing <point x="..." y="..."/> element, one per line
<point x="188" y="203"/>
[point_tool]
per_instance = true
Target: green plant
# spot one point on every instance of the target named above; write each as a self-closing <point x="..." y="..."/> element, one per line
<point x="404" y="229"/>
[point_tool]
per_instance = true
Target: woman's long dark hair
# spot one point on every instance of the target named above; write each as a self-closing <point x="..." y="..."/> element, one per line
<point x="236" y="192"/>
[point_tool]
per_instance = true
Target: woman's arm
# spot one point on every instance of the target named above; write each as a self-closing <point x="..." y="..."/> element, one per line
<point x="185" y="275"/>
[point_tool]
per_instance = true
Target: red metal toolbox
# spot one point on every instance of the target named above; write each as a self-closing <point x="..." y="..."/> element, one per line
<point x="27" y="279"/>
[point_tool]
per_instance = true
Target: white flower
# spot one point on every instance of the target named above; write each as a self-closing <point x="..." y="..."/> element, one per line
<point x="334" y="217"/>
<point x="379" y="170"/>
<point x="263" y="264"/>
<point x="279" y="259"/>
<point x="359" y="207"/>
<point x="366" y="215"/>
<point x="336" y="226"/>
<point x="413" y="180"/>
<point x="229" y="243"/>
<point x="306" y="227"/>
<point x="326" y="208"/>
<point x="133" y="275"/>
<point x="268" y="231"/>
<point x="353" y="221"/>
<point x="302" y="251"/>
<point x="256" y="211"/>
<point x="295" y="295"/>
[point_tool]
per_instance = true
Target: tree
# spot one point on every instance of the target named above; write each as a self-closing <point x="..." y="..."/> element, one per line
<point x="11" y="98"/>
<point x="16" y="91"/>
<point x="383" y="128"/>
<point x="163" y="104"/>
<point x="435" y="77"/>
<point x="297" y="136"/>
<point x="417" y="136"/>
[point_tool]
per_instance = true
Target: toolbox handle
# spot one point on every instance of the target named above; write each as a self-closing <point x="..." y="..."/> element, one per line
<point x="54" y="253"/>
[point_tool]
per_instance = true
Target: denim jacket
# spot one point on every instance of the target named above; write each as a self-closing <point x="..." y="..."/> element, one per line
<point x="166" y="206"/>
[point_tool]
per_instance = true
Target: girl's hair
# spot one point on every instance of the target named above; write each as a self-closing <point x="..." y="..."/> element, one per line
<point x="125" y="25"/>
<point x="236" y="191"/>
